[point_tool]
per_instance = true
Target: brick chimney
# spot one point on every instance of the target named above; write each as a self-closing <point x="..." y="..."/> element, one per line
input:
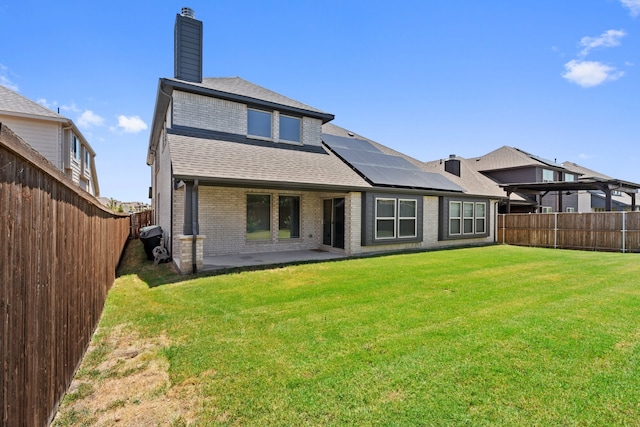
<point x="452" y="165"/>
<point x="188" y="47"/>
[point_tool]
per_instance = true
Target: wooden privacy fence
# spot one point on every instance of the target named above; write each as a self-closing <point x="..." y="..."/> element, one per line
<point x="139" y="220"/>
<point x="598" y="231"/>
<point x="60" y="250"/>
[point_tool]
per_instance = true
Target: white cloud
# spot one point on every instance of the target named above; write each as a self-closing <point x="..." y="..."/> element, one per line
<point x="133" y="124"/>
<point x="632" y="5"/>
<point x="89" y="119"/>
<point x="73" y="108"/>
<point x="584" y="156"/>
<point x="609" y="38"/>
<point x="5" y="80"/>
<point x="589" y="73"/>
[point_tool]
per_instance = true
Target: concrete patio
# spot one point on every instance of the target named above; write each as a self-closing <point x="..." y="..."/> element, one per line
<point x="225" y="262"/>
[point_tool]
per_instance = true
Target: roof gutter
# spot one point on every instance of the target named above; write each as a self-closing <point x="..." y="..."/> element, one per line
<point x="163" y="99"/>
<point x="186" y="87"/>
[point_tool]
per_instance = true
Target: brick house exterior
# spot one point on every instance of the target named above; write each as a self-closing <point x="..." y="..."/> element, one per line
<point x="239" y="169"/>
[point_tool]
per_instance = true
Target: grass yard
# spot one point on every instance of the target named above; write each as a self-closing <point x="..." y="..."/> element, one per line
<point x="499" y="335"/>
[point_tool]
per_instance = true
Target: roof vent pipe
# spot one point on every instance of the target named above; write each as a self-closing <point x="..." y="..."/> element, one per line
<point x="187" y="12"/>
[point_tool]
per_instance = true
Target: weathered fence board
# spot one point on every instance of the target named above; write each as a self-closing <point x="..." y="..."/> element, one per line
<point x="598" y="231"/>
<point x="139" y="220"/>
<point x="58" y="261"/>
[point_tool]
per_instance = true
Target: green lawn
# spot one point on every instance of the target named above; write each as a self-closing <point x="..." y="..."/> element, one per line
<point x="497" y="335"/>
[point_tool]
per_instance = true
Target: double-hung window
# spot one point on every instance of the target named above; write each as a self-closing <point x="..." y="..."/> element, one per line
<point x="259" y="123"/>
<point x="385" y="218"/>
<point x="466" y="218"/>
<point x="547" y="175"/>
<point x="481" y="217"/>
<point x="455" y="217"/>
<point x="407" y="218"/>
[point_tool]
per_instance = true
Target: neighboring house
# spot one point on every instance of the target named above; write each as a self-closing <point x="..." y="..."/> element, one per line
<point x="535" y="184"/>
<point x="54" y="136"/>
<point x="595" y="200"/>
<point x="237" y="168"/>
<point x="510" y="165"/>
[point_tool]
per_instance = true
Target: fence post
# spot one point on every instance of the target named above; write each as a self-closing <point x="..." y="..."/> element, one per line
<point x="624" y="231"/>
<point x="555" y="230"/>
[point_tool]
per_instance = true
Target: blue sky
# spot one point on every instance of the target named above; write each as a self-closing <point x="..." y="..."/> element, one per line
<point x="557" y="78"/>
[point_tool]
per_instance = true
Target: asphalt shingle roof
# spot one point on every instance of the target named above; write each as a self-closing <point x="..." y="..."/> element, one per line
<point x="509" y="157"/>
<point x="239" y="86"/>
<point x="12" y="102"/>
<point x="234" y="161"/>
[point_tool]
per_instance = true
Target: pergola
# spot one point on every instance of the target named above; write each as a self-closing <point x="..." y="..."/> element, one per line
<point x="607" y="186"/>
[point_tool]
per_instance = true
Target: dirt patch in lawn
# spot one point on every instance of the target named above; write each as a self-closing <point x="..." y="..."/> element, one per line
<point x="123" y="380"/>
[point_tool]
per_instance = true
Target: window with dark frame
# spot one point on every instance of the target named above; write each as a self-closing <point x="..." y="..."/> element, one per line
<point x="258" y="217"/>
<point x="259" y="123"/>
<point x="290" y="128"/>
<point x="288" y="217"/>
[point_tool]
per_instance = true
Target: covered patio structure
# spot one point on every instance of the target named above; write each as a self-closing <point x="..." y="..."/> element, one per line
<point x="607" y="186"/>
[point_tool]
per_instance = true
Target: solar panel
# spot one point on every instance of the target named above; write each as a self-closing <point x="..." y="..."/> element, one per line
<point x="385" y="169"/>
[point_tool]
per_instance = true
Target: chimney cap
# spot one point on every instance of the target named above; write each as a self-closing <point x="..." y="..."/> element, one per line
<point x="187" y="12"/>
<point x="452" y="156"/>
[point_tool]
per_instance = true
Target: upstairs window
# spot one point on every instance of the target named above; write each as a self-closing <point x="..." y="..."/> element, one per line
<point x="569" y="177"/>
<point x="75" y="148"/>
<point x="87" y="159"/>
<point x="547" y="175"/>
<point x="259" y="123"/>
<point x="290" y="128"/>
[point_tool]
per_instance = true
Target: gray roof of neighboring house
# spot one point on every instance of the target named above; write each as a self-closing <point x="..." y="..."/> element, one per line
<point x="248" y="164"/>
<point x="14" y="104"/>
<point x="472" y="181"/>
<point x="584" y="172"/>
<point x="507" y="157"/>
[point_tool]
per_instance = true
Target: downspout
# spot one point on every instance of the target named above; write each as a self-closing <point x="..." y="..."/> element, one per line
<point x="194" y="225"/>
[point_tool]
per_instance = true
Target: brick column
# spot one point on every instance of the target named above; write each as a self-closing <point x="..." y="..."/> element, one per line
<point x="182" y="256"/>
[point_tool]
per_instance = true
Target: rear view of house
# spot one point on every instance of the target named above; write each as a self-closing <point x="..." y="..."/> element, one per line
<point x="239" y="169"/>
<point x="55" y="137"/>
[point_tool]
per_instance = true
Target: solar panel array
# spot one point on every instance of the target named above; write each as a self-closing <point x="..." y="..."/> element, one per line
<point x="385" y="169"/>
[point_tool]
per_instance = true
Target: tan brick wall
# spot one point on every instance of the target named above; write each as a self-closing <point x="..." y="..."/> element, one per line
<point x="222" y="218"/>
<point x="184" y="252"/>
<point x="204" y="112"/>
<point x="215" y="114"/>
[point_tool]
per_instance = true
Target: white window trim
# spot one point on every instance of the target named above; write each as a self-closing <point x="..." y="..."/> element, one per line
<point x="483" y="218"/>
<point x="459" y="218"/>
<point x="386" y="218"/>
<point x="472" y="218"/>
<point x="570" y="210"/>
<point x="543" y="173"/>
<point x="546" y="209"/>
<point x="414" y="218"/>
